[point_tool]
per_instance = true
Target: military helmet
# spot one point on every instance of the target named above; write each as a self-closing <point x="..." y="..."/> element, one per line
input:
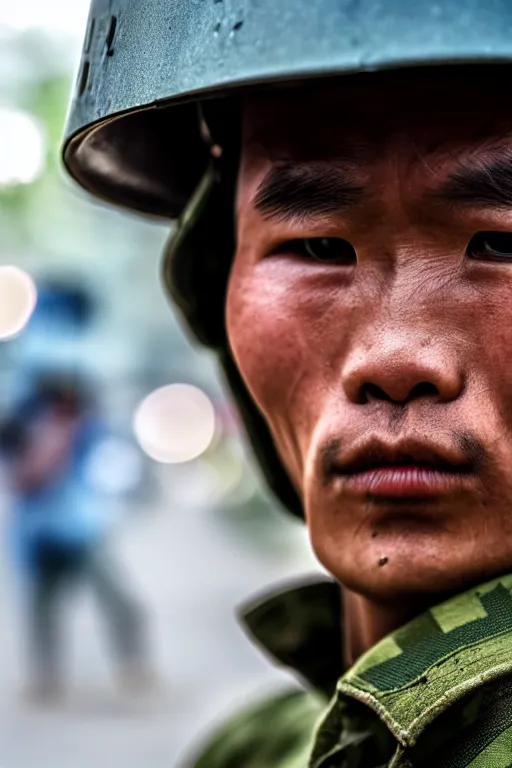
<point x="153" y="124"/>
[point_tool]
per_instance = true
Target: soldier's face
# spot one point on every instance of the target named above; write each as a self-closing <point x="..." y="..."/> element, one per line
<point x="370" y="313"/>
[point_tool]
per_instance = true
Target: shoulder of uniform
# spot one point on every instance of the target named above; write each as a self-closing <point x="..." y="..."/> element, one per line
<point x="276" y="731"/>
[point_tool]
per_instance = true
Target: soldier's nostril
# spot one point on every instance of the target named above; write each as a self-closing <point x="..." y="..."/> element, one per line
<point x="424" y="389"/>
<point x="371" y="392"/>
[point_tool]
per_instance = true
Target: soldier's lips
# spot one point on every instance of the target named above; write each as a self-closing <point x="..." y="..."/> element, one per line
<point x="405" y="481"/>
<point x="408" y="469"/>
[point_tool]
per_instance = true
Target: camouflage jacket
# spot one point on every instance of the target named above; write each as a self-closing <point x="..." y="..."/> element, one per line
<point x="437" y="692"/>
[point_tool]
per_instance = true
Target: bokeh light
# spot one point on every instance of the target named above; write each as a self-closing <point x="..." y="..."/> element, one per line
<point x="18" y="297"/>
<point x="175" y="423"/>
<point x="58" y="15"/>
<point x="22" y="148"/>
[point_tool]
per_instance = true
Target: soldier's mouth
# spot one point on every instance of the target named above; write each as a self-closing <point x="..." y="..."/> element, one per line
<point x="408" y="469"/>
<point x="405" y="481"/>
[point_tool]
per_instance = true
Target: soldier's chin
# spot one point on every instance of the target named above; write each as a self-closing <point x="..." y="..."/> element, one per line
<point x="406" y="565"/>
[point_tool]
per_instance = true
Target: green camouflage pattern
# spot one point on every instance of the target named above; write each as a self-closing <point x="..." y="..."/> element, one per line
<point x="437" y="692"/>
<point x="441" y="686"/>
<point x="275" y="732"/>
<point x="292" y="625"/>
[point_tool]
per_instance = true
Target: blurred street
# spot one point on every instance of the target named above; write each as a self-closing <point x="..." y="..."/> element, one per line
<point x="197" y="535"/>
<point x="191" y="573"/>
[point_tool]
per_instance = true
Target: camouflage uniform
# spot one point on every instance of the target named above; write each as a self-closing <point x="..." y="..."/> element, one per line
<point x="436" y="692"/>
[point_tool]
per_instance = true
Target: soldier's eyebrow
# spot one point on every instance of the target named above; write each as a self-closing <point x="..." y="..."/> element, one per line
<point x="297" y="190"/>
<point x="486" y="184"/>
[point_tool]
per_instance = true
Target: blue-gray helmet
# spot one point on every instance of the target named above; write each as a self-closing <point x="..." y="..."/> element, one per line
<point x="153" y="124"/>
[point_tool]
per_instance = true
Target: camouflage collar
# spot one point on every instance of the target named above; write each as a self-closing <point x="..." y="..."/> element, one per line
<point x="417" y="673"/>
<point x="301" y="628"/>
<point x="405" y="685"/>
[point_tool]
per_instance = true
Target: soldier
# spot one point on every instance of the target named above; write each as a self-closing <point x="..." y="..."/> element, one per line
<point x="342" y="175"/>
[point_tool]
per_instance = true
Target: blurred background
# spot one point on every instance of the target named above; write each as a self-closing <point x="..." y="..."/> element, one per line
<point x="175" y="525"/>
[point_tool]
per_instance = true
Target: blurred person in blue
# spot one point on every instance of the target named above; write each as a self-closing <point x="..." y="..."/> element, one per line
<point x="61" y="516"/>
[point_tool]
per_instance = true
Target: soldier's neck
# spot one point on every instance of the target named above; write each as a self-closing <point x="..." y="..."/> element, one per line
<point x="366" y="622"/>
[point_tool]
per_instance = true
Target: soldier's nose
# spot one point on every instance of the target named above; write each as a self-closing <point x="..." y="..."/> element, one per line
<point x="400" y="371"/>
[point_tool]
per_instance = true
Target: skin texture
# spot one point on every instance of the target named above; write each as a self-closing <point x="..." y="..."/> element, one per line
<point x="407" y="345"/>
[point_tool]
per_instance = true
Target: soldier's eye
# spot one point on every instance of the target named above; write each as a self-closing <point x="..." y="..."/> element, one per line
<point x="491" y="246"/>
<point x="325" y="249"/>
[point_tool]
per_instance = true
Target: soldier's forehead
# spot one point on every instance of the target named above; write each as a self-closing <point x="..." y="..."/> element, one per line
<point x="360" y="118"/>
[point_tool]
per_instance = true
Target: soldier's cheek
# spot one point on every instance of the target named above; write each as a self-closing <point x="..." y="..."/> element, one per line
<point x="272" y="345"/>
